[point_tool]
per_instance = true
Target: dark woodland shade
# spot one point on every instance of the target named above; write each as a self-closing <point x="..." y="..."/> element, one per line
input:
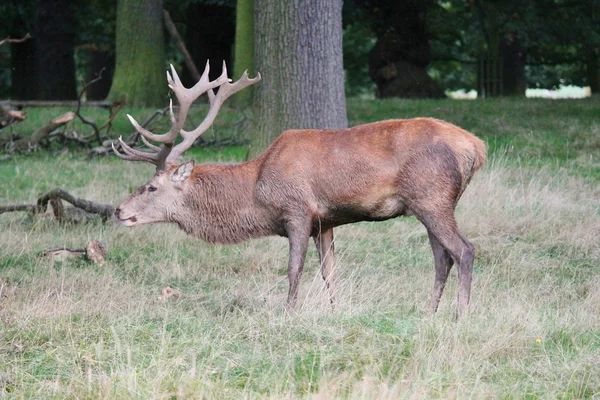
<point x="23" y="66"/>
<point x="204" y="42"/>
<point x="398" y="62"/>
<point x="55" y="42"/>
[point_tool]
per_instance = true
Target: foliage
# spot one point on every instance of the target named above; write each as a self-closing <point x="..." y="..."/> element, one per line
<point x="358" y="42"/>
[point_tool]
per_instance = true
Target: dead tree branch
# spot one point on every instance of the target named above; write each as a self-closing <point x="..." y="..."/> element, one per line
<point x="33" y="141"/>
<point x="94" y="251"/>
<point x="78" y="113"/>
<point x="54" y="197"/>
<point x="189" y="62"/>
<point x="9" y="40"/>
<point x="8" y="116"/>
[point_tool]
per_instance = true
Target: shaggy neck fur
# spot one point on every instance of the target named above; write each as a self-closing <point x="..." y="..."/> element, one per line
<point x="219" y="205"/>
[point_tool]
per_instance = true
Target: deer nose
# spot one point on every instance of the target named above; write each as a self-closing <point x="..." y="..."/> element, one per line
<point x="117" y="212"/>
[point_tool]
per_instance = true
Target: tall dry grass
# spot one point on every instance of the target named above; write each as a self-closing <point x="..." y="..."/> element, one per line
<point x="73" y="329"/>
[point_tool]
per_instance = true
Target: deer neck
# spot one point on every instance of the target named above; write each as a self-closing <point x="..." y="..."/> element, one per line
<point x="220" y="206"/>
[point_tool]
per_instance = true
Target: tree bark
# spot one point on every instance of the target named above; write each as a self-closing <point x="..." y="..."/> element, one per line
<point x="298" y="51"/>
<point x="55" y="43"/>
<point x="139" y="78"/>
<point x="244" y="48"/>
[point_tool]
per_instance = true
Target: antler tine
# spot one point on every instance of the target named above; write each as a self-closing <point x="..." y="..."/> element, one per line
<point x="150" y="145"/>
<point x="131" y="154"/>
<point x="204" y="78"/>
<point x="226" y="90"/>
<point x="185" y="97"/>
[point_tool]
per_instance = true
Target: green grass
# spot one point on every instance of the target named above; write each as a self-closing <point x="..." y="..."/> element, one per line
<point x="72" y="329"/>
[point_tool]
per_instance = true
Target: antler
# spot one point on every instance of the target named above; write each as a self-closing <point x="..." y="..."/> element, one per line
<point x="167" y="152"/>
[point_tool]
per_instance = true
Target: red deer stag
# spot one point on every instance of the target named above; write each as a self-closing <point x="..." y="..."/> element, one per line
<point x="310" y="181"/>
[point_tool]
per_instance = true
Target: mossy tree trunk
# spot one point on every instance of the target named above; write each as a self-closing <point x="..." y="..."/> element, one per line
<point x="244" y="48"/>
<point x="139" y="78"/>
<point x="298" y="52"/>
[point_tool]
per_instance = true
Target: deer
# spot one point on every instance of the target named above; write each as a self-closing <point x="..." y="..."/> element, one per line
<point x="309" y="181"/>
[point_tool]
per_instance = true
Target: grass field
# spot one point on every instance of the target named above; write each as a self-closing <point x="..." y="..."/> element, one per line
<point x="72" y="329"/>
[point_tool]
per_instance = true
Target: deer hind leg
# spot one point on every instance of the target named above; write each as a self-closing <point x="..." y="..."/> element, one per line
<point x="325" y="247"/>
<point x="442" y="226"/>
<point x="443" y="265"/>
<point x="298" y="234"/>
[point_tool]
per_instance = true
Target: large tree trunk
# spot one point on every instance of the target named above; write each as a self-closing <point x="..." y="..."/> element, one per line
<point x="139" y="78"/>
<point x="23" y="68"/>
<point x="398" y="62"/>
<point x="55" y="43"/>
<point x="513" y="66"/>
<point x="298" y="52"/>
<point x="244" y="47"/>
<point x="209" y="35"/>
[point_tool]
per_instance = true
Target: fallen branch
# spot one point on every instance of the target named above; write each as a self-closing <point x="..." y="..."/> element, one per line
<point x="94" y="251"/>
<point x="8" y="116"/>
<point x="54" y="197"/>
<point x="53" y="103"/>
<point x="78" y="110"/>
<point x="33" y="141"/>
<point x="9" y="40"/>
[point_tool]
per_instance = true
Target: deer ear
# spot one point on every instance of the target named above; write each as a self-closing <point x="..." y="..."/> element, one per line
<point x="183" y="172"/>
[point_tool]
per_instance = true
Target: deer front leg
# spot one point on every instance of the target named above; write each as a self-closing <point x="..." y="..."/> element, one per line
<point x="298" y="235"/>
<point x="324" y="243"/>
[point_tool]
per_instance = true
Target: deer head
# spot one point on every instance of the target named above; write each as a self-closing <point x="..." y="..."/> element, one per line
<point x="156" y="200"/>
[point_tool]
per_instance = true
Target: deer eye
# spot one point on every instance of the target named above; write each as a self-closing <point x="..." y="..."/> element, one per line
<point x="151" y="189"/>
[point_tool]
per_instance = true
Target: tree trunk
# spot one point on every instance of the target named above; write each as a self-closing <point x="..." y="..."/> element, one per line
<point x="513" y="66"/>
<point x="23" y="68"/>
<point x="55" y="43"/>
<point x="209" y="35"/>
<point x="298" y="52"/>
<point x="244" y="48"/>
<point x="398" y="62"/>
<point x="139" y="78"/>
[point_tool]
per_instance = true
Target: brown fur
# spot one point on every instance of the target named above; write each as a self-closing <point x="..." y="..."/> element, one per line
<point x="310" y="181"/>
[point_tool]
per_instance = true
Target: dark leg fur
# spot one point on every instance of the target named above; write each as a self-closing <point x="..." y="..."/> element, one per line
<point x="443" y="265"/>
<point x="325" y="247"/>
<point x="442" y="226"/>
<point x="298" y="234"/>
